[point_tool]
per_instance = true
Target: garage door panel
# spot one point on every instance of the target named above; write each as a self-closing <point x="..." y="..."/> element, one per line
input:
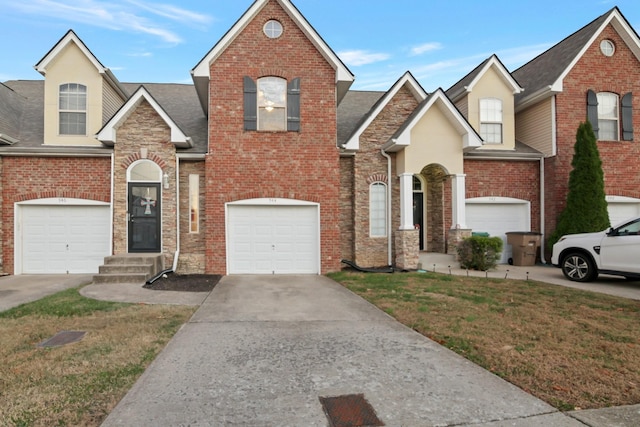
<point x="64" y="239"/>
<point x="497" y="219"/>
<point x="272" y="239"/>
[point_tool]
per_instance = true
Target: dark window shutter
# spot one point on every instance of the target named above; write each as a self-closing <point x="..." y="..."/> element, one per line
<point x="592" y="110"/>
<point x="627" y="117"/>
<point x="293" y="105"/>
<point x="250" y="104"/>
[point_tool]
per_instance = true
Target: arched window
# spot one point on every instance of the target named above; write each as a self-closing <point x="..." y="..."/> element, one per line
<point x="378" y="209"/>
<point x="72" y="107"/>
<point x="144" y="171"/>
<point x="491" y="120"/>
<point x="272" y="104"/>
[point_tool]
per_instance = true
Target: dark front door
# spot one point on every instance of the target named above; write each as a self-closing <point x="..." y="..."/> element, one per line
<point x="418" y="213"/>
<point x="144" y="217"/>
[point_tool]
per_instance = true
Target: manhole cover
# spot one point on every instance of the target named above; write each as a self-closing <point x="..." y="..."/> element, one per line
<point x="63" y="338"/>
<point x="350" y="410"/>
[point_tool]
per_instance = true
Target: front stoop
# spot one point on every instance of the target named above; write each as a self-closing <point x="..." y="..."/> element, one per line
<point x="129" y="268"/>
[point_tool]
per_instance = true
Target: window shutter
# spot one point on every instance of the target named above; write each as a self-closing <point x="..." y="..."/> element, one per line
<point x="293" y="105"/>
<point x="592" y="110"/>
<point x="250" y="104"/>
<point x="627" y="117"/>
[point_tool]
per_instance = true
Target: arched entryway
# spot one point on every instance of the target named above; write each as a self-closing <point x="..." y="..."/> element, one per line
<point x="432" y="190"/>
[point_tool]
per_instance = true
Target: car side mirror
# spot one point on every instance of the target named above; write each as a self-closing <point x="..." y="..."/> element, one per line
<point x="611" y="232"/>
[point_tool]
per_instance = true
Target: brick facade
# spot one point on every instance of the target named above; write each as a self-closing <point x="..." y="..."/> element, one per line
<point x="31" y="178"/>
<point x="300" y="165"/>
<point x="619" y="74"/>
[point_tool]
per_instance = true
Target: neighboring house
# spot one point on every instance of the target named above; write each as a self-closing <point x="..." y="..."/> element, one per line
<point x="269" y="164"/>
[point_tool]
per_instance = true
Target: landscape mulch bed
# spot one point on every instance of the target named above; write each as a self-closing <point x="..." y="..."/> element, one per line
<point x="185" y="282"/>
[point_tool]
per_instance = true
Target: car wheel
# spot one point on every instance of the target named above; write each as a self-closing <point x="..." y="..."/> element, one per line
<point x="578" y="267"/>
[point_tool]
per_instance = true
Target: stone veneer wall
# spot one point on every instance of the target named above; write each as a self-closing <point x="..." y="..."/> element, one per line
<point x="144" y="130"/>
<point x="347" y="208"/>
<point x="407" y="249"/>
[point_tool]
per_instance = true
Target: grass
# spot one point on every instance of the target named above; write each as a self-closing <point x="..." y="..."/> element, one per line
<point x="573" y="349"/>
<point x="77" y="384"/>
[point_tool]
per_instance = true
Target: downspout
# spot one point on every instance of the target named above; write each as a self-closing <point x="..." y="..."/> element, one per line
<point x="542" y="213"/>
<point x="389" y="234"/>
<point x="113" y="164"/>
<point x="177" y="253"/>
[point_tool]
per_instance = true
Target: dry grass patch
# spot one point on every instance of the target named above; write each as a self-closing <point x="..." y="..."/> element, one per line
<point x="571" y="348"/>
<point x="80" y="383"/>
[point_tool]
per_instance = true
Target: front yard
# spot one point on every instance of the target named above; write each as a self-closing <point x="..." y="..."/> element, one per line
<point x="573" y="349"/>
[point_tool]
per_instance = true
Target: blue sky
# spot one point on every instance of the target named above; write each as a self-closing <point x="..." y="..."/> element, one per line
<point x="438" y="41"/>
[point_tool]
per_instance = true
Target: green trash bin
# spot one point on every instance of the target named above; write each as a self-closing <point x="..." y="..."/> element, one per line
<point x="480" y="233"/>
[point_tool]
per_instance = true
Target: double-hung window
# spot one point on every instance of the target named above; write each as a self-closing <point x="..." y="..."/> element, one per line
<point x="72" y="107"/>
<point x="491" y="120"/>
<point x="272" y="104"/>
<point x="610" y="115"/>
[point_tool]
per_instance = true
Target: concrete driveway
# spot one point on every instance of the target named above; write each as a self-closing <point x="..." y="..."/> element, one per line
<point x="262" y="350"/>
<point x="20" y="289"/>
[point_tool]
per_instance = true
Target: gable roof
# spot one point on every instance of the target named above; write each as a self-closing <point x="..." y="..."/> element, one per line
<point x="466" y="84"/>
<point x="352" y="143"/>
<point x="438" y="99"/>
<point x="543" y="76"/>
<point x="66" y="40"/>
<point x="107" y="135"/>
<point x="200" y="73"/>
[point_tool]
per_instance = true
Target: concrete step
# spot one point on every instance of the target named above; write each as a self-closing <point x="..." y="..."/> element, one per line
<point x="120" y="278"/>
<point x="129" y="268"/>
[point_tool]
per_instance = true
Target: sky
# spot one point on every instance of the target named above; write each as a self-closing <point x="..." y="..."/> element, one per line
<point x="439" y="41"/>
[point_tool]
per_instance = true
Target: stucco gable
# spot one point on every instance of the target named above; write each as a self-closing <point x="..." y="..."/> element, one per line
<point x="468" y="82"/>
<point x="72" y="38"/>
<point x="543" y="76"/>
<point x="407" y="80"/>
<point x="108" y="134"/>
<point x="438" y="99"/>
<point x="200" y="73"/>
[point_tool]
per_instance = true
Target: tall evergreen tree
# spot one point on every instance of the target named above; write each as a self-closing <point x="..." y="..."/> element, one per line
<point x="586" y="209"/>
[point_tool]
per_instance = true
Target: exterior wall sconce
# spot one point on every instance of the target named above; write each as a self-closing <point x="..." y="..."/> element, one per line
<point x="165" y="180"/>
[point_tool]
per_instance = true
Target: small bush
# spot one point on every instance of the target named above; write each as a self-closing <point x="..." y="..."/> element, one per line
<point x="479" y="252"/>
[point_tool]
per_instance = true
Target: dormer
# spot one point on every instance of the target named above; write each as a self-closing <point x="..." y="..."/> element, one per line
<point x="486" y="98"/>
<point x="80" y="94"/>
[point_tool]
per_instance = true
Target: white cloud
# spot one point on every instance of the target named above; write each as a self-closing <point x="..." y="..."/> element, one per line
<point x="362" y="57"/>
<point x="425" y="47"/>
<point x="131" y="16"/>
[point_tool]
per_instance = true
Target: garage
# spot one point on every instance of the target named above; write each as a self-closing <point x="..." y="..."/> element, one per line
<point x="497" y="216"/>
<point x="273" y="236"/>
<point x="621" y="208"/>
<point x="62" y="239"/>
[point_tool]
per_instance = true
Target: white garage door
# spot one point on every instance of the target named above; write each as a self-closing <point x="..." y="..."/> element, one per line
<point x="273" y="239"/>
<point x="497" y="216"/>
<point x="64" y="239"/>
<point x="622" y="208"/>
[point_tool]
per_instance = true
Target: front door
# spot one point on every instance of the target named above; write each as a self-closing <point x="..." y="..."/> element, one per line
<point x="144" y="217"/>
<point x="418" y="215"/>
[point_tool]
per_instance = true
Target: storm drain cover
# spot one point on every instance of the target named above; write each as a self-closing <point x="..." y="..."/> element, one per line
<point x="351" y="410"/>
<point x="63" y="338"/>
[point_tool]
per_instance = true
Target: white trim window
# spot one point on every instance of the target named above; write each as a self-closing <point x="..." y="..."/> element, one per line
<point x="194" y="203"/>
<point x="378" y="209"/>
<point x="272" y="104"/>
<point x="491" y="120"/>
<point x="608" y="116"/>
<point x="72" y="106"/>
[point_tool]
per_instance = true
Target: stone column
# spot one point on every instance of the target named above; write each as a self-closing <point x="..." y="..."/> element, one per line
<point x="407" y="245"/>
<point x="456" y="235"/>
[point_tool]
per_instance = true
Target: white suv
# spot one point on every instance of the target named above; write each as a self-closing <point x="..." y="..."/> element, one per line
<point x="614" y="251"/>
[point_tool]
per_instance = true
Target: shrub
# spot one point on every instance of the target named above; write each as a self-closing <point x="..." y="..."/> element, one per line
<point x="479" y="252"/>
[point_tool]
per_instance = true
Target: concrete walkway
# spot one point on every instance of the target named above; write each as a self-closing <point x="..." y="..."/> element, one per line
<point x="262" y="350"/>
